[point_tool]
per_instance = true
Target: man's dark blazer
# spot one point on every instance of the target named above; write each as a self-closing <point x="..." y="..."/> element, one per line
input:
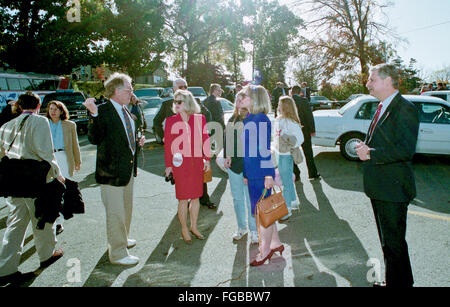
<point x="115" y="161"/>
<point x="164" y="112"/>
<point x="388" y="174"/>
<point x="276" y="94"/>
<point x="305" y="115"/>
<point x="215" y="108"/>
<point x="308" y="93"/>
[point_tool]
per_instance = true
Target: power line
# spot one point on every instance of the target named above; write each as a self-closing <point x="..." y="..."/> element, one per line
<point x="426" y="27"/>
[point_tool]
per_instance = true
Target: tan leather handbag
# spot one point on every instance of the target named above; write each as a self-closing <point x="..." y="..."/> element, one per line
<point x="271" y="209"/>
<point x="207" y="176"/>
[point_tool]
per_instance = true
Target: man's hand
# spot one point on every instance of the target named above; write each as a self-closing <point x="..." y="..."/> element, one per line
<point x="363" y="151"/>
<point x="227" y="163"/>
<point x="61" y="179"/>
<point x="91" y="106"/>
<point x="77" y="167"/>
<point x="142" y="141"/>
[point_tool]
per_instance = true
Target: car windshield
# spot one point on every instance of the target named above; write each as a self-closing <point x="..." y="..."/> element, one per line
<point x="318" y="98"/>
<point x="226" y="105"/>
<point x="151" y="103"/>
<point x="67" y="99"/>
<point x="152" y="92"/>
<point x="197" y="91"/>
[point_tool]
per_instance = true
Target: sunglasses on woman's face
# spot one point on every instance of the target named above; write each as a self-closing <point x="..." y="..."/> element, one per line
<point x="178" y="101"/>
<point x="182" y="87"/>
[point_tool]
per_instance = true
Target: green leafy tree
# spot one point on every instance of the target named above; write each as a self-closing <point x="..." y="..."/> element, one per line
<point x="37" y="35"/>
<point x="134" y="36"/>
<point x="194" y="26"/>
<point x="274" y="27"/>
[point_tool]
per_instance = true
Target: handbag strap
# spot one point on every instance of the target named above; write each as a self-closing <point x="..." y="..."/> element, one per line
<point x="20" y="128"/>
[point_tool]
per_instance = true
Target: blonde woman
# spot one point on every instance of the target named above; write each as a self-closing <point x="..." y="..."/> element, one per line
<point x="187" y="155"/>
<point x="287" y="124"/>
<point x="65" y="144"/>
<point x="258" y="167"/>
<point x="234" y="164"/>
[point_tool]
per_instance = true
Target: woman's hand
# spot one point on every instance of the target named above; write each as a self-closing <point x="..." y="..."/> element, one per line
<point x="268" y="182"/>
<point x="227" y="163"/>
<point x="61" y="179"/>
<point x="245" y="181"/>
<point x="77" y="167"/>
<point x="168" y="171"/>
<point x="207" y="166"/>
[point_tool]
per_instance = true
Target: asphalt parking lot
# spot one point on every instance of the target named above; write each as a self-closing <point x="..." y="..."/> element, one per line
<point x="330" y="242"/>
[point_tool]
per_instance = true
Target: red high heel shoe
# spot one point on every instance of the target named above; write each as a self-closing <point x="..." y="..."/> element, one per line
<point x="261" y="262"/>
<point x="279" y="249"/>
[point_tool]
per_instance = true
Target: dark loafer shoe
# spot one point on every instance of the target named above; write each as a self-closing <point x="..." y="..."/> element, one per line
<point x="56" y="255"/>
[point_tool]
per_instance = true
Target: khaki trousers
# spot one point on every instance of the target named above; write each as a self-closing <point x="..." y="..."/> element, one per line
<point x="118" y="202"/>
<point x="21" y="212"/>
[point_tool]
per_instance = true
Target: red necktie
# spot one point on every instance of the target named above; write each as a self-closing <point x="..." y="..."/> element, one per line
<point x="375" y="118"/>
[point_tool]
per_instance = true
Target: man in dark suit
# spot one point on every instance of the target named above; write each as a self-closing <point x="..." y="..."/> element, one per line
<point x="166" y="109"/>
<point x="277" y="92"/>
<point x="309" y="129"/>
<point x="306" y="91"/>
<point x="214" y="106"/>
<point x="389" y="182"/>
<point x="113" y="130"/>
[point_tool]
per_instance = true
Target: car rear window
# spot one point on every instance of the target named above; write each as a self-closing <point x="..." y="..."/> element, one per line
<point x="197" y="91"/>
<point x="152" y="92"/>
<point x="68" y="100"/>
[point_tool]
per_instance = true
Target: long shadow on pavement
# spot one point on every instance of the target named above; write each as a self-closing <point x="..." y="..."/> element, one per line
<point x="104" y="273"/>
<point x="432" y="174"/>
<point x="323" y="247"/>
<point x="173" y="263"/>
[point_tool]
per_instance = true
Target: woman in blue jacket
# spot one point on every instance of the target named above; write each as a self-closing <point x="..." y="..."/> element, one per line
<point x="259" y="171"/>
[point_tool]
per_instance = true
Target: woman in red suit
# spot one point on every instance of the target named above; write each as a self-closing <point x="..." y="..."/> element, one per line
<point x="187" y="155"/>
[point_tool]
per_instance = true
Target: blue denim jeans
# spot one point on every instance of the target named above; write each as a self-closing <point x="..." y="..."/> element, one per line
<point x="241" y="201"/>
<point x="286" y="169"/>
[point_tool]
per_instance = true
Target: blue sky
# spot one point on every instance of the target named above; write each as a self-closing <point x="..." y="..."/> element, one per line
<point x="418" y="21"/>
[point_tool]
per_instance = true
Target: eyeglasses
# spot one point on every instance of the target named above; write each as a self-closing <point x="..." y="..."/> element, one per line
<point x="182" y="87"/>
<point x="178" y="101"/>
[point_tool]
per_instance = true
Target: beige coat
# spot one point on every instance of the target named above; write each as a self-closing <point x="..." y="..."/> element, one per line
<point x="71" y="146"/>
<point x="33" y="142"/>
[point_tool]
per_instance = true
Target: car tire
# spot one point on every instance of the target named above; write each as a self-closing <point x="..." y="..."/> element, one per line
<point x="348" y="143"/>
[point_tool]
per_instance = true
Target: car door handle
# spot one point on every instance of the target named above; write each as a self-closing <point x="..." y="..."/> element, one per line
<point x="426" y="130"/>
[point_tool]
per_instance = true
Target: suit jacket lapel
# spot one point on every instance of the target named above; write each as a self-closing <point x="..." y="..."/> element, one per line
<point x="385" y="115"/>
<point x="116" y="117"/>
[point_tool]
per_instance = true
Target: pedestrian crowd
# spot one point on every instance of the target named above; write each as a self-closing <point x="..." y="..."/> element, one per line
<point x="254" y="151"/>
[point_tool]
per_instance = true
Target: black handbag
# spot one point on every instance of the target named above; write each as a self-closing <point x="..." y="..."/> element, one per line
<point x="22" y="177"/>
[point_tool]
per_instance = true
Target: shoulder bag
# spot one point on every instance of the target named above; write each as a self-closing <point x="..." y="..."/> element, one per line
<point x="22" y="177"/>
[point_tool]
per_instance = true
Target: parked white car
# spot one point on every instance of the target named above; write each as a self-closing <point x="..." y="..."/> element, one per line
<point x="348" y="126"/>
<point x="445" y="95"/>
